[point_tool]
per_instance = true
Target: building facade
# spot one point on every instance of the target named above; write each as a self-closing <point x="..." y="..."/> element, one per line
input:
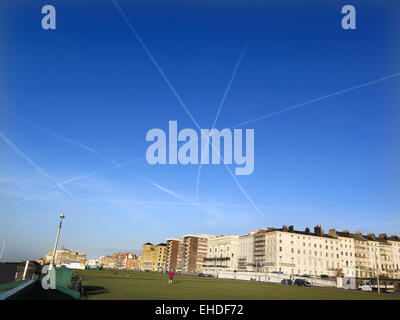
<point x="65" y="255"/>
<point x="222" y="254"/>
<point x="188" y="253"/>
<point x="246" y="252"/>
<point x="153" y="257"/>
<point x="317" y="253"/>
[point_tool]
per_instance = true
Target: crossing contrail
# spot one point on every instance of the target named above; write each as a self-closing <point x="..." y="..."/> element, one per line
<point x="95" y="152"/>
<point x="222" y="102"/>
<point x="32" y="163"/>
<point x="178" y="97"/>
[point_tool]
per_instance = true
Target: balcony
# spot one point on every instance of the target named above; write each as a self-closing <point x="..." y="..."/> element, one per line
<point x="217" y="259"/>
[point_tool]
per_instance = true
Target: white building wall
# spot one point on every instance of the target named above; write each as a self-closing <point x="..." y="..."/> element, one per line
<point x="222" y="254"/>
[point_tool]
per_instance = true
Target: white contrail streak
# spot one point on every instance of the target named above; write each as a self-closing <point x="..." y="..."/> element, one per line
<point x="222" y="102"/>
<point x="155" y="62"/>
<point x="116" y="165"/>
<point x="77" y="178"/>
<point x="268" y="115"/>
<point x="175" y="93"/>
<point x="32" y="163"/>
<point x="91" y="150"/>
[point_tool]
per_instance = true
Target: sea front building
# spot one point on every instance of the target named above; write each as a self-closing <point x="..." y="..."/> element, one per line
<point x="153" y="257"/>
<point x="187" y="254"/>
<point x="222" y="254"/>
<point x="293" y="252"/>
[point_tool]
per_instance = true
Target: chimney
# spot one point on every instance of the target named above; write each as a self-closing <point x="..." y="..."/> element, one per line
<point x="284" y="227"/>
<point x="395" y="236"/>
<point x="383" y="236"/>
<point x="307" y="230"/>
<point x="346" y="231"/>
<point x="318" y="230"/>
<point x="358" y="234"/>
<point x="291" y="228"/>
<point x="372" y="235"/>
<point x="332" y="233"/>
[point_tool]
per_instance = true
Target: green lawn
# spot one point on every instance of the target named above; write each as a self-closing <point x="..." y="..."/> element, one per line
<point x="143" y="285"/>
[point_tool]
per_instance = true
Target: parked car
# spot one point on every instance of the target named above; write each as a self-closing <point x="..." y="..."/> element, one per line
<point x="302" y="283"/>
<point x="287" y="281"/>
<point x="368" y="285"/>
<point x="209" y="276"/>
<point x="324" y="276"/>
<point x="365" y="286"/>
<point x="201" y="274"/>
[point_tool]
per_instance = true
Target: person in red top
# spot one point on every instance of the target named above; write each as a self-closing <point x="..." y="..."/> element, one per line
<point x="171" y="276"/>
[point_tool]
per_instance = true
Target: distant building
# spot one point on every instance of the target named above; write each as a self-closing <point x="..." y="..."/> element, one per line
<point x="153" y="257"/>
<point x="133" y="262"/>
<point x="124" y="261"/>
<point x="65" y="255"/>
<point x="188" y="253"/>
<point x="93" y="263"/>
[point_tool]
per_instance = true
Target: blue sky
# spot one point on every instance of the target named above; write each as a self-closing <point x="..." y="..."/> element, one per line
<point x="77" y="101"/>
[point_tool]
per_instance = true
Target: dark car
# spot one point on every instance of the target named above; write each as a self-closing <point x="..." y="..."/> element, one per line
<point x="201" y="274"/>
<point x="209" y="276"/>
<point x="287" y="281"/>
<point x="302" y="283"/>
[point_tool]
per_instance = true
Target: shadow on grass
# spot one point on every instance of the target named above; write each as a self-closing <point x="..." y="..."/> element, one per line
<point x="94" y="290"/>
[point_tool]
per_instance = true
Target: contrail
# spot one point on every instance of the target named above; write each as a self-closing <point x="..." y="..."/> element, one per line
<point x="222" y="102"/>
<point x="58" y="136"/>
<point x="87" y="148"/>
<point x="268" y="115"/>
<point x="78" y="178"/>
<point x="32" y="163"/>
<point x="176" y="94"/>
<point x="155" y="62"/>
<point x="170" y="203"/>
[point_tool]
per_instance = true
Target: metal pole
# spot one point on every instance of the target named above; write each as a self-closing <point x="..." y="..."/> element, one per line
<point x="2" y="249"/>
<point x="25" y="269"/>
<point x="51" y="267"/>
<point x="377" y="273"/>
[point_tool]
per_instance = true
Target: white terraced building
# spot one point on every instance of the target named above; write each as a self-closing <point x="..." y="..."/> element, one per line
<point x="315" y="253"/>
<point x="222" y="254"/>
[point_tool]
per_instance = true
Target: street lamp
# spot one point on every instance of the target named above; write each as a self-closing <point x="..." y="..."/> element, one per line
<point x="51" y="267"/>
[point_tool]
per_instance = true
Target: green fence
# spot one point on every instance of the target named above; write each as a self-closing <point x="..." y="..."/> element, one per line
<point x="68" y="283"/>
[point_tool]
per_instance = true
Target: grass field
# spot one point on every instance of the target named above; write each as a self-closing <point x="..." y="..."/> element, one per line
<point x="153" y="286"/>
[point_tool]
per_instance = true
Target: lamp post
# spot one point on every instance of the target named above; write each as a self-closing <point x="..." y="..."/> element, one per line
<point x="374" y="250"/>
<point x="377" y="272"/>
<point x="2" y="249"/>
<point x="51" y="267"/>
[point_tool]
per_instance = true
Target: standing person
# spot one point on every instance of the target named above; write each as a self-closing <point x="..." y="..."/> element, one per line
<point x="171" y="276"/>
